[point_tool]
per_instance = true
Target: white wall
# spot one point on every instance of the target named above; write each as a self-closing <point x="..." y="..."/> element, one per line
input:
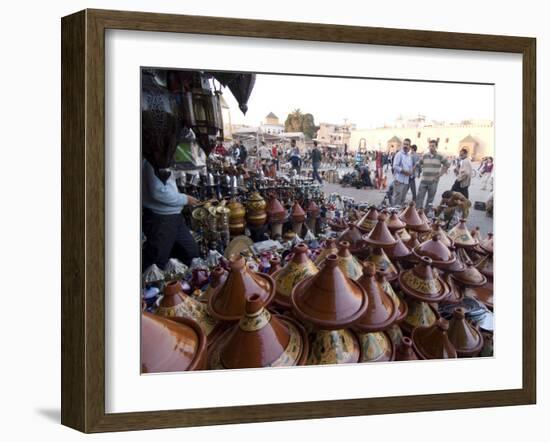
<point x="30" y="216"/>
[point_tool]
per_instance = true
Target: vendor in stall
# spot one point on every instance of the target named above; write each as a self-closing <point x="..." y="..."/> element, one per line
<point x="167" y="235"/>
<point x="450" y="202"/>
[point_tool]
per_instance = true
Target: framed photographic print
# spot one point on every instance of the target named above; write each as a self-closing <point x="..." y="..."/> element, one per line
<point x="272" y="220"/>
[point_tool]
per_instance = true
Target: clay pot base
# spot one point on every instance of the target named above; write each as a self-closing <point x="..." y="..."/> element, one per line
<point x="333" y="347"/>
<point x="294" y="354"/>
<point x="376" y="347"/>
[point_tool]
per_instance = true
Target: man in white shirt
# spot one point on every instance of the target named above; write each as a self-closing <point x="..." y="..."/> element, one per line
<point x="402" y="171"/>
<point x="464" y="174"/>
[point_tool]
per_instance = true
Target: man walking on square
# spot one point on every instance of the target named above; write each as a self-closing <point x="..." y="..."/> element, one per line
<point x="402" y="171"/>
<point x="316" y="162"/>
<point x="434" y="165"/>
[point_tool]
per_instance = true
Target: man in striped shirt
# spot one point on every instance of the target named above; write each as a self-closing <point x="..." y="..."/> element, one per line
<point x="434" y="165"/>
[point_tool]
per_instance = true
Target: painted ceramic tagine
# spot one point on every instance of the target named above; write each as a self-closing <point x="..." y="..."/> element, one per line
<point x="218" y="275"/>
<point x="228" y="302"/>
<point x="369" y="220"/>
<point x="412" y="219"/>
<point x="260" y="339"/>
<point x="402" y="308"/>
<point x="394" y="223"/>
<point x="399" y="251"/>
<point x="405" y="351"/>
<point x="330" y="301"/>
<point x="470" y="276"/>
<point x="298" y="268"/>
<point x="329" y="249"/>
<point x="487" y="243"/>
<point x="485" y="266"/>
<point x="457" y="265"/>
<point x="383" y="264"/>
<point x="433" y="342"/>
<point x="349" y="264"/>
<point x="462" y="236"/>
<point x="456" y="293"/>
<point x="466" y="339"/>
<point x="436" y="250"/>
<point x="442" y="235"/>
<point x="176" y="344"/>
<point x="176" y="303"/>
<point x="380" y="235"/>
<point x="376" y="347"/>
<point x="423" y="282"/>
<point x="420" y="314"/>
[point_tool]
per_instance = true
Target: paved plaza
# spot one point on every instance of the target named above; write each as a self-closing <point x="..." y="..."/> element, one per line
<point x="373" y="196"/>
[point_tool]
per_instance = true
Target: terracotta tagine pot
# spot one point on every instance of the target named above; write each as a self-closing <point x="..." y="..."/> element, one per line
<point x="329" y="249"/>
<point x="470" y="276"/>
<point x="394" y="223"/>
<point x="313" y="209"/>
<point x="433" y="342"/>
<point x="405" y="350"/>
<point x="399" y="251"/>
<point x="436" y="250"/>
<point x="376" y="347"/>
<point x="255" y="210"/>
<point x="423" y="282"/>
<point x="176" y="344"/>
<point x="333" y="347"/>
<point x="236" y="217"/>
<point x="228" y="302"/>
<point x="399" y="300"/>
<point x="396" y="334"/>
<point x="442" y="235"/>
<point x="462" y="236"/>
<point x="349" y="264"/>
<point x="411" y="218"/>
<point x="482" y="293"/>
<point x="420" y="314"/>
<point x="353" y="236"/>
<point x="329" y="299"/>
<point x="413" y="241"/>
<point x="260" y="339"/>
<point x="297" y="214"/>
<point x="383" y="264"/>
<point x="403" y="234"/>
<point x="466" y="339"/>
<point x="485" y="266"/>
<point x="337" y="224"/>
<point x="298" y="268"/>
<point x="456" y="294"/>
<point x="275" y="265"/>
<point x="487" y="243"/>
<point x="217" y="278"/>
<point x="457" y="265"/>
<point x="369" y="220"/>
<point x="381" y="311"/>
<point x="380" y="235"/>
<point x="276" y="213"/>
<point x="176" y="303"/>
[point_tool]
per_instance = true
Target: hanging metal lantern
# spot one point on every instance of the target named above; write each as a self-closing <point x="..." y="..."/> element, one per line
<point x="207" y="113"/>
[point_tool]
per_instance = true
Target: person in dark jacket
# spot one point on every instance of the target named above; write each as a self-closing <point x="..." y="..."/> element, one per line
<point x="316" y="157"/>
<point x="295" y="159"/>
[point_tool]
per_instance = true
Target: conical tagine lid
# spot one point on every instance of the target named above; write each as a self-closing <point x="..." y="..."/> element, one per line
<point x="399" y="250"/>
<point x="369" y="220"/>
<point x="329" y="299"/>
<point x="376" y="347"/>
<point x="380" y="235"/>
<point x="394" y="223"/>
<point x="438" y="230"/>
<point x="329" y="249"/>
<point x="420" y="314"/>
<point x="423" y="282"/>
<point x="412" y="219"/>
<point x="487" y="243"/>
<point x="171" y="345"/>
<point x="405" y="350"/>
<point x="275" y="211"/>
<point x="434" y="249"/>
<point x="466" y="339"/>
<point x="313" y="209"/>
<point x="470" y="276"/>
<point x="462" y="236"/>
<point x="297" y="214"/>
<point x="298" y="268"/>
<point x="353" y="236"/>
<point x="485" y="266"/>
<point x="349" y="264"/>
<point x="413" y="241"/>
<point x="217" y="278"/>
<point x="227" y="303"/>
<point x="260" y="340"/>
<point x="457" y="265"/>
<point x="383" y="264"/>
<point x="433" y="342"/>
<point x="381" y="310"/>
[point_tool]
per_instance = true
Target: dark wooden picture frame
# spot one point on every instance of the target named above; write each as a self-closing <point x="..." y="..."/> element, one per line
<point x="83" y="219"/>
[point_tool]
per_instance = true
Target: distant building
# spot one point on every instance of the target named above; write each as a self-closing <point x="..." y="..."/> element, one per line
<point x="334" y="135"/>
<point x="477" y="136"/>
<point x="271" y="125"/>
